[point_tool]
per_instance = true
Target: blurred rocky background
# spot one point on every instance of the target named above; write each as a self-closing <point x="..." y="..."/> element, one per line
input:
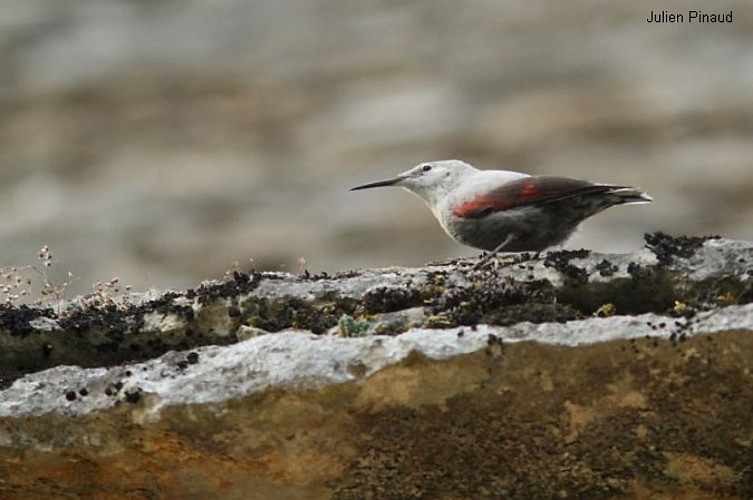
<point x="162" y="140"/>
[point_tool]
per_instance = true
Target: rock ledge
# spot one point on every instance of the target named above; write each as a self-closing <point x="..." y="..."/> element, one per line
<point x="574" y="374"/>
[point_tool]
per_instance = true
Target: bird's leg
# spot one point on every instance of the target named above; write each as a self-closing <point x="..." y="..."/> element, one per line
<point x="486" y="258"/>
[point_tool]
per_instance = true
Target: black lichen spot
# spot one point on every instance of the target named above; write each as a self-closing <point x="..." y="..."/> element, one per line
<point x="166" y="304"/>
<point x="132" y="395"/>
<point x="493" y="340"/>
<point x="241" y="284"/>
<point x="16" y="319"/>
<point x="192" y="358"/>
<point x="561" y="262"/>
<point x="638" y="272"/>
<point x="666" y="247"/>
<point x="606" y="268"/>
<point x="494" y="345"/>
<point x="390" y="299"/>
<point x="113" y="388"/>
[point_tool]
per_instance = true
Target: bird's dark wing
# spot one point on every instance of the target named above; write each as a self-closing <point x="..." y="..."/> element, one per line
<point x="527" y="191"/>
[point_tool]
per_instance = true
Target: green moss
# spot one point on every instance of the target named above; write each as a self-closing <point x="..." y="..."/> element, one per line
<point x="438" y="321"/>
<point x="350" y="327"/>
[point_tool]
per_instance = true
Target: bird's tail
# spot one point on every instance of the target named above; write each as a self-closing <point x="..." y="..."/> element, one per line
<point x="629" y="195"/>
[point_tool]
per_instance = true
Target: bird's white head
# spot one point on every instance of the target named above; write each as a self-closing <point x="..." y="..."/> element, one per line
<point x="430" y="181"/>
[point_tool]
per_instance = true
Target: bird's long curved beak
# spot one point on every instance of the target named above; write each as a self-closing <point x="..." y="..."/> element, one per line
<point x="388" y="182"/>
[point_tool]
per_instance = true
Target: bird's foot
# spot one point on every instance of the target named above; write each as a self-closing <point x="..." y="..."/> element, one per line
<point x="496" y="261"/>
<point x="528" y="256"/>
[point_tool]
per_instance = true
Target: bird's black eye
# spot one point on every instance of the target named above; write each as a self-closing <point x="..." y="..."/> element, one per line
<point x="426" y="168"/>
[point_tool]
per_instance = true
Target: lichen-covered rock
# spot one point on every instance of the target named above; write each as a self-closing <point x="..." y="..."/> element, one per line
<point x="572" y="374"/>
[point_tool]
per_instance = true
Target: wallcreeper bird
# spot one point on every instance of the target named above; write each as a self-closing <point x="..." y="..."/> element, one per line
<point x="502" y="210"/>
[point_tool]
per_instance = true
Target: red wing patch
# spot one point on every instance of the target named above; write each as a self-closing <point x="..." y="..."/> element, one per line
<point x="529" y="189"/>
<point x="526" y="191"/>
<point x="477" y="207"/>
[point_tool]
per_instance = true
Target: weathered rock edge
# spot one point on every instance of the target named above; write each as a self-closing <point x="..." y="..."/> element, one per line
<point x="296" y="360"/>
<point x="671" y="276"/>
